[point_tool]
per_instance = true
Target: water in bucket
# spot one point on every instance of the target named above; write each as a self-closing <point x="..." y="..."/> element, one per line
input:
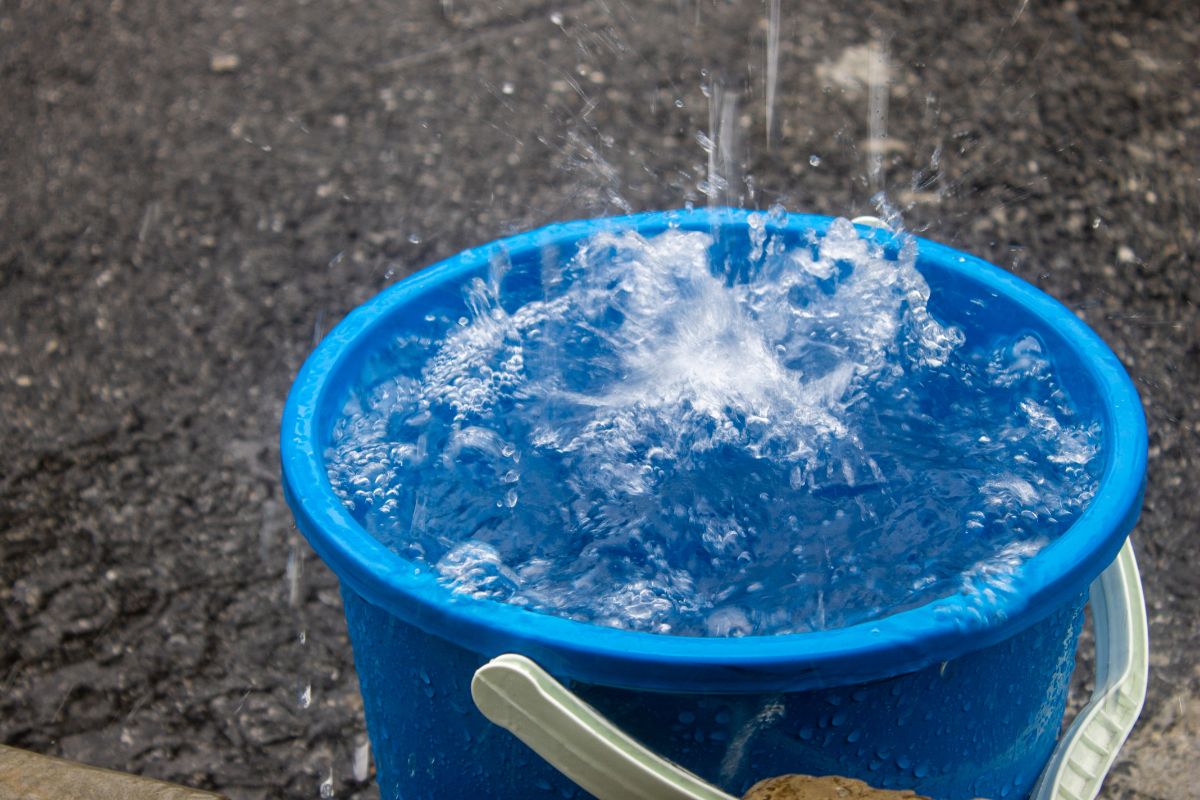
<point x="659" y="437"/>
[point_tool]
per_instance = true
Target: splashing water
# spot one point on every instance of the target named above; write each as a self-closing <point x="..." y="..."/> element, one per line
<point x="655" y="444"/>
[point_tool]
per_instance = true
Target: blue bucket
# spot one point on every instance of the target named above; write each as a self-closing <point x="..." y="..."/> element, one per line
<point x="952" y="706"/>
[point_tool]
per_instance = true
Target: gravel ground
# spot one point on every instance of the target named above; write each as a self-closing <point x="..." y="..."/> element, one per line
<point x="192" y="193"/>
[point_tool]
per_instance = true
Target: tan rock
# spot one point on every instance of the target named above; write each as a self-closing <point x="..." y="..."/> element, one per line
<point x="224" y="62"/>
<point x="830" y="787"/>
<point x="30" y="776"/>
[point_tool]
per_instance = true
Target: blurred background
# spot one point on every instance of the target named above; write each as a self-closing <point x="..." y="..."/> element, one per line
<point x="192" y="194"/>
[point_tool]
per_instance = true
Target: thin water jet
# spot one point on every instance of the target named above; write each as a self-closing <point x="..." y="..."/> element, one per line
<point x="772" y="71"/>
<point x="878" y="88"/>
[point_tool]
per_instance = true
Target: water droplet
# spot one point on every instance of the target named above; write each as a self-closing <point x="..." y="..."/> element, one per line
<point x="806" y="734"/>
<point x="414" y="238"/>
<point x="839" y="719"/>
<point x="679" y="102"/>
<point x="306" y="696"/>
<point x="1096" y="222"/>
<point x="853" y="736"/>
<point x="327" y="785"/>
<point x="507" y="87"/>
<point x="921" y="771"/>
<point x="687" y="717"/>
<point x="362" y="760"/>
<point x="814" y="160"/>
<point x="557" y="18"/>
<point x="903" y="762"/>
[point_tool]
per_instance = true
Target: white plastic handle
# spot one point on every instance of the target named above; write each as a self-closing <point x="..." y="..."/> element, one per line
<point x="1083" y="757"/>
<point x="870" y="222"/>
<point x="518" y="695"/>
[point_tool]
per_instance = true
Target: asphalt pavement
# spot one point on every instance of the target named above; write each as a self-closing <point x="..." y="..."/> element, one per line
<point x="191" y="194"/>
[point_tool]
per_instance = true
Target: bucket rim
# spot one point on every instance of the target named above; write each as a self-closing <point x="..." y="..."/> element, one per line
<point x="902" y="642"/>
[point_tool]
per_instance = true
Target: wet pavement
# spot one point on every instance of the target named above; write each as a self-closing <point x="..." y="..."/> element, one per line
<point x="192" y="194"/>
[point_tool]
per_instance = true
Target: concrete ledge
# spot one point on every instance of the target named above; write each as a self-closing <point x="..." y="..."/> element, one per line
<point x="29" y="776"/>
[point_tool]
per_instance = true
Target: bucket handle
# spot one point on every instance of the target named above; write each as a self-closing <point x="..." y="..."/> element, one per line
<point x="515" y="693"/>
<point x="1088" y="749"/>
<point x="519" y="696"/>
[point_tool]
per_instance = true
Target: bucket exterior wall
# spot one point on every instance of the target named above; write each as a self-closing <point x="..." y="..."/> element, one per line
<point x="941" y="698"/>
<point x="981" y="725"/>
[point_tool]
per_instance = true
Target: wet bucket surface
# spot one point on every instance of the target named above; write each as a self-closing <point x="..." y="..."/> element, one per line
<point x="954" y="706"/>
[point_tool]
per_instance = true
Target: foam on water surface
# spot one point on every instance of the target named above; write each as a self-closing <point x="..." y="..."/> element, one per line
<point x="663" y="441"/>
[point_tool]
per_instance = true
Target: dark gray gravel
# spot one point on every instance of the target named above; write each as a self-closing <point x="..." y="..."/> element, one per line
<point x="191" y="193"/>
